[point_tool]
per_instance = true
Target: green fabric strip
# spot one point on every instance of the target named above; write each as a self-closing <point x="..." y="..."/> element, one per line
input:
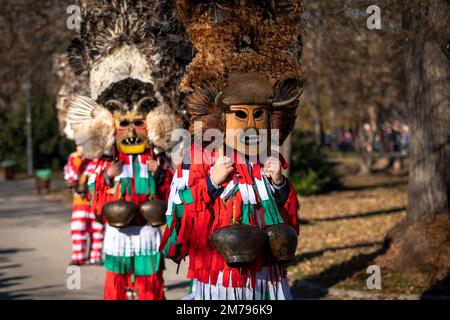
<point x="125" y="187"/>
<point x="186" y="196"/>
<point x="140" y="265"/>
<point x="91" y="192"/>
<point x="141" y="185"/>
<point x="152" y="184"/>
<point x="246" y="208"/>
<point x="178" y="210"/>
<point x="271" y="213"/>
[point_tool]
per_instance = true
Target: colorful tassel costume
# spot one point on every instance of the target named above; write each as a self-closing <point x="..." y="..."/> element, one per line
<point x="132" y="52"/>
<point x="196" y="209"/>
<point x="132" y="259"/>
<point x="247" y="58"/>
<point x="84" y="227"/>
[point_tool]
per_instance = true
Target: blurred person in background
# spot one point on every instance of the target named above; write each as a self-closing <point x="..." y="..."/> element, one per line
<point x="84" y="226"/>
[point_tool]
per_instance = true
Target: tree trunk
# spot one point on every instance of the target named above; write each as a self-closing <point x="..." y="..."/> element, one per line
<point x="332" y="120"/>
<point x="421" y="242"/>
<point x="427" y="81"/>
<point x="317" y="114"/>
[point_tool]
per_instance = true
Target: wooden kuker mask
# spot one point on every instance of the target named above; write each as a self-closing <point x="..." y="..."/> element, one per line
<point x="131" y="133"/>
<point x="247" y="102"/>
<point x="131" y="127"/>
<point x="243" y="125"/>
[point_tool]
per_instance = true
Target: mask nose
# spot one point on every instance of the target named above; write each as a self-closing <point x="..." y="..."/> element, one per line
<point x="251" y="122"/>
<point x="131" y="132"/>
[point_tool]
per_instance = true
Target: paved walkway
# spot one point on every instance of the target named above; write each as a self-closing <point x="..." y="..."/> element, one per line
<point x="35" y="250"/>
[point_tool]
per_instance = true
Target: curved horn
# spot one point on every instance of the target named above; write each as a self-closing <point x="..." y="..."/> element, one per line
<point x="141" y="103"/>
<point x="118" y="106"/>
<point x="219" y="102"/>
<point x="285" y="103"/>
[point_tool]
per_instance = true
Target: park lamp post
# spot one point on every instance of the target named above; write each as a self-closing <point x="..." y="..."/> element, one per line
<point x="26" y="88"/>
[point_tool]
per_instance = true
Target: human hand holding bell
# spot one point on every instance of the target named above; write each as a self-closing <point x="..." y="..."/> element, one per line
<point x="115" y="169"/>
<point x="272" y="168"/>
<point x="222" y="168"/>
<point x="152" y="165"/>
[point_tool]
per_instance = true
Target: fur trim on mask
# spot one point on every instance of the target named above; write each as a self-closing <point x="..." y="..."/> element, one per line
<point x="70" y="86"/>
<point x="126" y="62"/>
<point x="160" y="123"/>
<point x="93" y="127"/>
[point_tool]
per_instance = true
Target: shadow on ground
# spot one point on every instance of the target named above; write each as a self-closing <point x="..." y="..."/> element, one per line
<point x="373" y="186"/>
<point x="359" y="215"/>
<point x="334" y="274"/>
<point x="313" y="254"/>
<point x="440" y="288"/>
<point x="7" y="281"/>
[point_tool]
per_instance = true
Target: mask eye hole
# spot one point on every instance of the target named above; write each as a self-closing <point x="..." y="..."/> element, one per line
<point x="258" y="114"/>
<point x="138" y="123"/>
<point x="241" y="114"/>
<point x="124" y="123"/>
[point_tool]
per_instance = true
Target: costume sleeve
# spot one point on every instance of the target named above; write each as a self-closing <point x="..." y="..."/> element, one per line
<point x="187" y="209"/>
<point x="163" y="179"/>
<point x="97" y="185"/>
<point x="290" y="206"/>
<point x="70" y="170"/>
<point x="288" y="200"/>
<point x="282" y="191"/>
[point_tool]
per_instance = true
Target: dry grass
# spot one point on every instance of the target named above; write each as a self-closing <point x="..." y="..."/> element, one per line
<point x="343" y="232"/>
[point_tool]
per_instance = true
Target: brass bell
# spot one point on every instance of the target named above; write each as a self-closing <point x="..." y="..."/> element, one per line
<point x="119" y="213"/>
<point x="239" y="245"/>
<point x="283" y="242"/>
<point x="154" y="212"/>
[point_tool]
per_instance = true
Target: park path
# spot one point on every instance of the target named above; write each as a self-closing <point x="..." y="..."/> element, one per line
<point x="35" y="249"/>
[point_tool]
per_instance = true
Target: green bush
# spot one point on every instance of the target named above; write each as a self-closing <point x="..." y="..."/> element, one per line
<point x="310" y="171"/>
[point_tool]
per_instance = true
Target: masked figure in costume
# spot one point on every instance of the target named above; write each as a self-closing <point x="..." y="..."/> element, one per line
<point x="230" y="209"/>
<point x="126" y="47"/>
<point x="84" y="226"/>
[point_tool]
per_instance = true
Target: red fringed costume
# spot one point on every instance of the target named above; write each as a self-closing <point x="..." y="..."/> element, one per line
<point x="196" y="210"/>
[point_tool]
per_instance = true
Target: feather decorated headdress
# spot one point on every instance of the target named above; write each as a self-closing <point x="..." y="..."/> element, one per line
<point x="130" y="49"/>
<point x="70" y="86"/>
<point x="238" y="37"/>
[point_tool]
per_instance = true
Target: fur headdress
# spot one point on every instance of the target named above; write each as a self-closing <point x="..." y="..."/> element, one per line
<point x="128" y="49"/>
<point x="238" y="37"/>
<point x="70" y="85"/>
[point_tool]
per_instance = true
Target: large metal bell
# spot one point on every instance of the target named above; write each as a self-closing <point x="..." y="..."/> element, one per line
<point x="119" y="213"/>
<point x="239" y="245"/>
<point x="283" y="242"/>
<point x="154" y="212"/>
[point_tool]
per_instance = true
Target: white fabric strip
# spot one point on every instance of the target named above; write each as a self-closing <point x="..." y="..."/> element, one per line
<point x="78" y="247"/>
<point x="177" y="184"/>
<point x="79" y="237"/>
<point x="78" y="226"/>
<point x="92" y="178"/>
<point x="143" y="169"/>
<point x="80" y="214"/>
<point x="79" y="256"/>
<point x="262" y="190"/>
<point x="273" y="290"/>
<point x="228" y="190"/>
<point x="244" y="192"/>
<point x="127" y="170"/>
<point x="131" y="241"/>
